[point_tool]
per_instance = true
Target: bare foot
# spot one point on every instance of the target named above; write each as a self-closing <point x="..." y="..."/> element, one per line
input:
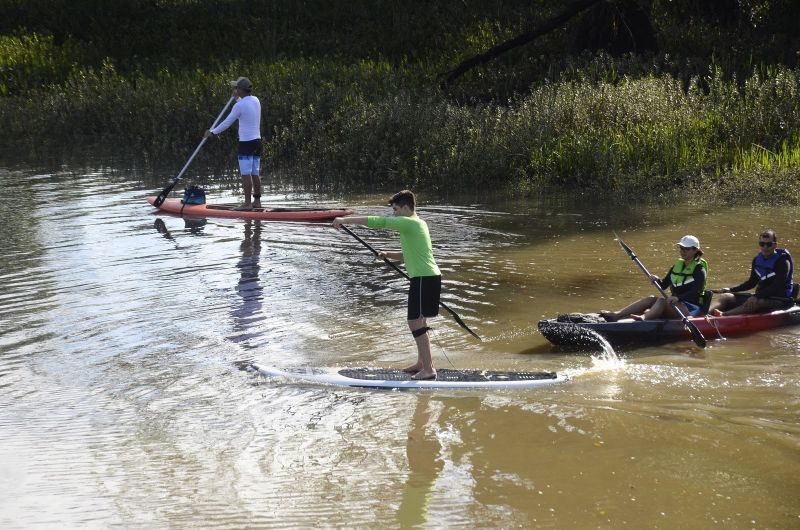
<point x="609" y="316"/>
<point x="245" y="206"/>
<point x="414" y="368"/>
<point x="424" y="375"/>
<point x="256" y="204"/>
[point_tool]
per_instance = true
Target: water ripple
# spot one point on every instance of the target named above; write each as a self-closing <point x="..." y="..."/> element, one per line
<point x="121" y="403"/>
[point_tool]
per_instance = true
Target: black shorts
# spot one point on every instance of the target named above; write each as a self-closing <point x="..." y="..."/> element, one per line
<point x="423" y="296"/>
<point x="250" y="148"/>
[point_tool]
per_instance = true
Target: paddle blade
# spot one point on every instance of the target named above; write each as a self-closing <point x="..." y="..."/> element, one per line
<point x="625" y="247"/>
<point x="463" y="325"/>
<point x="697" y="337"/>
<point x="459" y="321"/>
<point x="163" y="195"/>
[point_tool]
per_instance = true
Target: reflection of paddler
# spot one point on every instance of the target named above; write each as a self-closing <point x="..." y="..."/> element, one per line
<point x="194" y="226"/>
<point x="424" y="465"/>
<point x="248" y="286"/>
<point x="162" y="229"/>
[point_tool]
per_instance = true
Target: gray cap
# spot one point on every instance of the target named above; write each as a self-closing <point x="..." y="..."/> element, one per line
<point x="243" y="83"/>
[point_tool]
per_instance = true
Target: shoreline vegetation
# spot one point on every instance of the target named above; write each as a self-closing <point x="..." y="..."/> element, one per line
<point x="710" y="113"/>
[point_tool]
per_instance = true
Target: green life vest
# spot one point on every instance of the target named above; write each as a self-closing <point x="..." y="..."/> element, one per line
<point x="682" y="275"/>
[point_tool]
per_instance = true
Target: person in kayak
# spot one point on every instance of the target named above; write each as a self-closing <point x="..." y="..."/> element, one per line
<point x="426" y="279"/>
<point x="771" y="273"/>
<point x="686" y="279"/>
<point x="248" y="111"/>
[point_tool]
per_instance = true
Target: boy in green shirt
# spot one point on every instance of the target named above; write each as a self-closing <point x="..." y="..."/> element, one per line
<point x="426" y="279"/>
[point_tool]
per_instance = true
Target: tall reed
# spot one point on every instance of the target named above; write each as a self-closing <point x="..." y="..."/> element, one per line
<point x="374" y="123"/>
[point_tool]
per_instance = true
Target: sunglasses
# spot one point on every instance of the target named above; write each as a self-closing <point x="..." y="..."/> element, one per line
<point x="765" y="244"/>
<point x="685" y="248"/>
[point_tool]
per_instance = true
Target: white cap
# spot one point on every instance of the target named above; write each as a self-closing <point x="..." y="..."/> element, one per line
<point x="689" y="241"/>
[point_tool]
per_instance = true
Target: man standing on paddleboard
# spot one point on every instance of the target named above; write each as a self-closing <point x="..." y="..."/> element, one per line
<point x="426" y="279"/>
<point x="248" y="111"/>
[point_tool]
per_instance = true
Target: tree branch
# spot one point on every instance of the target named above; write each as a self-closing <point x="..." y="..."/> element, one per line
<point x="548" y="26"/>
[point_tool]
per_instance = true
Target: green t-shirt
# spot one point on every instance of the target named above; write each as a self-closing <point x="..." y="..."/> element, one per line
<point x="414" y="240"/>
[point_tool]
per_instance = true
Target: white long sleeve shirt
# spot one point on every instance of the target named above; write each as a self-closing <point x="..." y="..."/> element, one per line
<point x="248" y="111"/>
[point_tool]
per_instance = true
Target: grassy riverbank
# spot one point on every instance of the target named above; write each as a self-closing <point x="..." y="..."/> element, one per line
<point x="629" y="124"/>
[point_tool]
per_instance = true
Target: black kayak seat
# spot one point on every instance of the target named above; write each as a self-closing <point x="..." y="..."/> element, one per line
<point x="707" y="294"/>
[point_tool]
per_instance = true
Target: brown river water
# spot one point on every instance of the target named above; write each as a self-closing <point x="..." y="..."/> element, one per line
<point x="123" y="404"/>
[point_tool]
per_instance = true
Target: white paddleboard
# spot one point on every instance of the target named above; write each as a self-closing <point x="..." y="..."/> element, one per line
<point x="395" y="378"/>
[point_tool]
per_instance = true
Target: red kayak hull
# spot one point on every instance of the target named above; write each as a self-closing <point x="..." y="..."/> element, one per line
<point x="565" y="333"/>
<point x="174" y="206"/>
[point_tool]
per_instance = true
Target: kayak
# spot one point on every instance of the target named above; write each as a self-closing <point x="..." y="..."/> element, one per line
<point x="570" y="330"/>
<point x="230" y="211"/>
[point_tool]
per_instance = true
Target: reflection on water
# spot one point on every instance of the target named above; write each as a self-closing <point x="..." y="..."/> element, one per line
<point x="424" y="464"/>
<point x="121" y="403"/>
<point x="249" y="313"/>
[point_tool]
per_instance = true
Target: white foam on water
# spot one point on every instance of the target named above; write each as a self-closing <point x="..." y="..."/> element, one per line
<point x="608" y="359"/>
<point x="605" y="361"/>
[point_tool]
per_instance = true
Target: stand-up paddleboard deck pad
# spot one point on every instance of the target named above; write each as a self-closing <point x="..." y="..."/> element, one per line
<point x="394" y="378"/>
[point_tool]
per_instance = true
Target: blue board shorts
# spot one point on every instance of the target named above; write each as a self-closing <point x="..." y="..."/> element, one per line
<point x="249" y="155"/>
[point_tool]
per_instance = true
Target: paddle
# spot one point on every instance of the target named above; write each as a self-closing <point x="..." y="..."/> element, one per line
<point x="697" y="337"/>
<point x="395" y="267"/>
<point x="163" y="195"/>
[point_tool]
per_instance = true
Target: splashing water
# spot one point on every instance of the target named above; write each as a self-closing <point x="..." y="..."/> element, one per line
<point x="584" y="338"/>
<point x="578" y="336"/>
<point x="608" y="359"/>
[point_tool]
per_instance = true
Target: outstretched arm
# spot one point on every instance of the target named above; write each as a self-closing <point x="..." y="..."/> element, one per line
<point x="350" y="220"/>
<point x="395" y="255"/>
<point x="236" y="111"/>
<point x="391" y="255"/>
<point x="751" y="282"/>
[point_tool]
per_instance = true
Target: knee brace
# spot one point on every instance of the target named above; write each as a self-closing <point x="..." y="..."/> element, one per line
<point x="420" y="332"/>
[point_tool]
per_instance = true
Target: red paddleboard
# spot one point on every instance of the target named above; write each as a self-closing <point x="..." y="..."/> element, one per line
<point x="230" y="211"/>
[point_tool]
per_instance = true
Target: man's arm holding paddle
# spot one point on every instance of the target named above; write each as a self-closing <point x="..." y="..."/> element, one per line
<point x="380" y="255"/>
<point x="350" y="220"/>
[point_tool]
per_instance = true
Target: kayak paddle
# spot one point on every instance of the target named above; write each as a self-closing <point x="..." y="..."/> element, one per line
<point x="395" y="267"/>
<point x="697" y="337"/>
<point x="163" y="195"/>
